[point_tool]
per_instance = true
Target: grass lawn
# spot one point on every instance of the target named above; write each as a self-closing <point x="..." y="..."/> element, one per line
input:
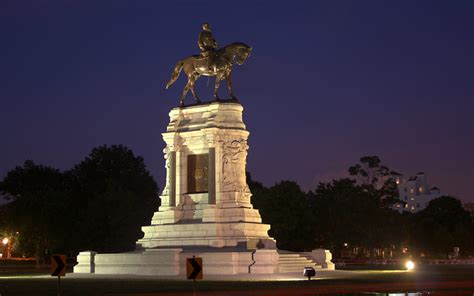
<point x="459" y="279"/>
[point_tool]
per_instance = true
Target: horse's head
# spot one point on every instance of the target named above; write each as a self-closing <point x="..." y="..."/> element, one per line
<point x="241" y="52"/>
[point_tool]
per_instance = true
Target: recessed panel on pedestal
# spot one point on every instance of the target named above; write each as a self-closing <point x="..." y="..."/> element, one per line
<point x="198" y="173"/>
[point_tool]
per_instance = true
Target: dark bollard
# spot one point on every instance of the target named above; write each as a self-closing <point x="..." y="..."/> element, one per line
<point x="309" y="272"/>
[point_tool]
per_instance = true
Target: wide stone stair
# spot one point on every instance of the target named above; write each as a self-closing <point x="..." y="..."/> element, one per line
<point x="294" y="262"/>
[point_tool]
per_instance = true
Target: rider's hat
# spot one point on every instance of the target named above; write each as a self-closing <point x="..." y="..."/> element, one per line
<point x="206" y="27"/>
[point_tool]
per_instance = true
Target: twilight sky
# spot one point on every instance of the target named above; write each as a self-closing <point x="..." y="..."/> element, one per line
<point x="327" y="82"/>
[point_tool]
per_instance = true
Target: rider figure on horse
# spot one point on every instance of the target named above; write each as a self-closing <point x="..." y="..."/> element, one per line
<point x="212" y="62"/>
<point x="207" y="44"/>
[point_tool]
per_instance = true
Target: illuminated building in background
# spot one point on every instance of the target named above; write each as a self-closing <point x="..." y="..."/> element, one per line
<point x="414" y="192"/>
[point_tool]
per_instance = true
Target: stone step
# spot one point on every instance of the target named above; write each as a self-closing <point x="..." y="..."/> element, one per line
<point x="306" y="264"/>
<point x="286" y="255"/>
<point x="298" y="259"/>
<point x="294" y="262"/>
<point x="294" y="259"/>
<point x="299" y="262"/>
<point x="297" y="268"/>
<point x="292" y="270"/>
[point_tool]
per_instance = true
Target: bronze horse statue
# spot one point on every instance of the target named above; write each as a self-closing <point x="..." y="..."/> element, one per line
<point x="218" y="63"/>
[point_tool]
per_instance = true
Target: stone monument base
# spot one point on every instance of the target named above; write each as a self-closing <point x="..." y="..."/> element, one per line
<point x="172" y="262"/>
<point x="205" y="207"/>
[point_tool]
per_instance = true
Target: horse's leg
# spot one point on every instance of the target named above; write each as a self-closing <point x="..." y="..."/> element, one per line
<point x="216" y="86"/>
<point x="192" y="82"/>
<point x="228" y="79"/>
<point x="185" y="92"/>
<point x="188" y="72"/>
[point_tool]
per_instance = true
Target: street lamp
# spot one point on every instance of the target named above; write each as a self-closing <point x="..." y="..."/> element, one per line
<point x="5" y="241"/>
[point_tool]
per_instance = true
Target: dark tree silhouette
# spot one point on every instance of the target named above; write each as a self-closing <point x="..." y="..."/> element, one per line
<point x="39" y="211"/>
<point x="113" y="196"/>
<point x="99" y="205"/>
<point x="344" y="212"/>
<point x="284" y="207"/>
<point x="441" y="226"/>
<point x="376" y="178"/>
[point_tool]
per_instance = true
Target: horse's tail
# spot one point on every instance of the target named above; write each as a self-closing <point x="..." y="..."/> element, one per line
<point x="175" y="75"/>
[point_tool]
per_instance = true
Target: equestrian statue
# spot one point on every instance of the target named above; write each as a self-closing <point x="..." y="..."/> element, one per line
<point x="212" y="61"/>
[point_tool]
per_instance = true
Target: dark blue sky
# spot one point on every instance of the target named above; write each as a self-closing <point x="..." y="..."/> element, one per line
<point x="328" y="82"/>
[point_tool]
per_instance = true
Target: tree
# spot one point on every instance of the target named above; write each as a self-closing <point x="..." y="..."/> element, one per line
<point x="344" y="212"/>
<point x="441" y="226"/>
<point x="284" y="207"/>
<point x="6" y="231"/>
<point x="39" y="212"/>
<point x="254" y="186"/>
<point x="369" y="170"/>
<point x="113" y="196"/>
<point x="99" y="205"/>
<point x="376" y="178"/>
